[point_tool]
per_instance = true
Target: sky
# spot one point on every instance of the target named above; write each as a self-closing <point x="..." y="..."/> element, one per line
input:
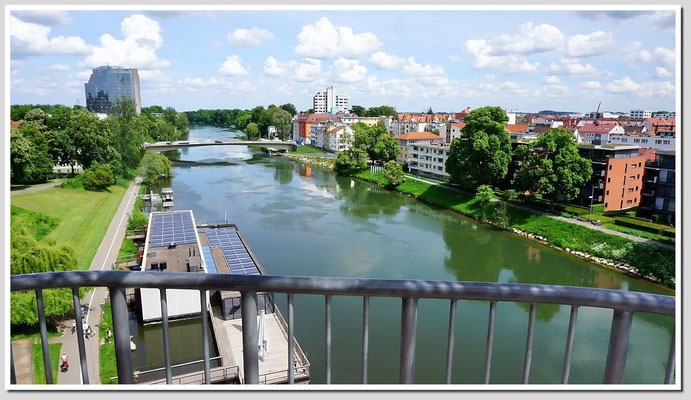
<point x="523" y="61"/>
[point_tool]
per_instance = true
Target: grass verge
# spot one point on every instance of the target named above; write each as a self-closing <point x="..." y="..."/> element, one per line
<point x="39" y="371"/>
<point x="84" y="216"/>
<point x="647" y="257"/>
<point x="106" y="355"/>
<point x="307" y="150"/>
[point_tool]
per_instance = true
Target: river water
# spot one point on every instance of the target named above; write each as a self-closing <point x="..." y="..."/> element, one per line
<point x="305" y="221"/>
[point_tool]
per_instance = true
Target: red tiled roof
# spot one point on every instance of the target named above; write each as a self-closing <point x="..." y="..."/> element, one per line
<point x="516" y="128"/>
<point x="459" y="124"/>
<point x="419" y="136"/>
<point x="662" y="121"/>
<point x="603" y="128"/>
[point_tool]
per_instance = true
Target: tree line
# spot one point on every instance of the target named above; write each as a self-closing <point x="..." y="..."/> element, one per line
<point x="255" y="122"/>
<point x="74" y="136"/>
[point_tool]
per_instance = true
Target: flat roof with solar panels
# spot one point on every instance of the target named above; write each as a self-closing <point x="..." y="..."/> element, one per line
<point x="172" y="243"/>
<point x="233" y="248"/>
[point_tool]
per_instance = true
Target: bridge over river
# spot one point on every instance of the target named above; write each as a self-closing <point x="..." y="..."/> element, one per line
<point x="269" y="144"/>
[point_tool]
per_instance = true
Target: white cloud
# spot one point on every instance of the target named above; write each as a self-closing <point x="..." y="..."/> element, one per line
<point x="662" y="72"/>
<point x="591" y="85"/>
<point x="152" y="75"/>
<point x="309" y="69"/>
<point x="427" y="75"/>
<point x="59" y="67"/>
<point x="482" y="50"/>
<point x="39" y="91"/>
<point x="624" y="85"/>
<point x="249" y="37"/>
<point x="589" y="45"/>
<point x="667" y="57"/>
<point x="551" y="80"/>
<point x="455" y="59"/>
<point x="570" y="66"/>
<point x="326" y="40"/>
<point x="348" y="70"/>
<point x="74" y="83"/>
<point x="17" y="81"/>
<point x="233" y="66"/>
<point x="142" y="37"/>
<point x="530" y="39"/>
<point x="383" y="60"/>
<point x="272" y="67"/>
<point x="84" y="75"/>
<point x="44" y="17"/>
<point x="27" y="39"/>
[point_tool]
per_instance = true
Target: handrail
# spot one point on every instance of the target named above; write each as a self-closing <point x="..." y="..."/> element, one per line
<point x="623" y="303"/>
<point x="513" y="292"/>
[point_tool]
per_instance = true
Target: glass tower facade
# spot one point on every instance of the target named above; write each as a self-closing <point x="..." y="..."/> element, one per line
<point x="107" y="84"/>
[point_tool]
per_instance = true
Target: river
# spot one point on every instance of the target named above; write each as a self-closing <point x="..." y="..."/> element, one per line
<point x="305" y="221"/>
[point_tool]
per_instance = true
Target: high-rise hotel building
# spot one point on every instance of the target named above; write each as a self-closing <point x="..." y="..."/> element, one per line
<point x="329" y="102"/>
<point x="108" y="84"/>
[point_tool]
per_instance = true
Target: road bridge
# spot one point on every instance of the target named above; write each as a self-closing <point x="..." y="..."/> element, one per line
<point x="270" y="144"/>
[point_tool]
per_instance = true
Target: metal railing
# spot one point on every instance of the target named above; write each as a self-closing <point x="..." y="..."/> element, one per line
<point x="624" y="304"/>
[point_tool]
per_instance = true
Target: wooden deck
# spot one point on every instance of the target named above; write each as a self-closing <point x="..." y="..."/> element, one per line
<point x="273" y="366"/>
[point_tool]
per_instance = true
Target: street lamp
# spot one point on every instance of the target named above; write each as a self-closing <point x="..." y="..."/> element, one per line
<point x="592" y="195"/>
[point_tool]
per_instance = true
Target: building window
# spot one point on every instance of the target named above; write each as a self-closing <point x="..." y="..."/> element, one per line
<point x="630" y="190"/>
<point x="629" y="201"/>
<point x="610" y="167"/>
<point x="607" y="193"/>
<point x="632" y="177"/>
<point x="633" y="165"/>
<point x="638" y="176"/>
<point x="635" y="200"/>
<point x="605" y="205"/>
<point x="639" y="164"/>
<point x="609" y="180"/>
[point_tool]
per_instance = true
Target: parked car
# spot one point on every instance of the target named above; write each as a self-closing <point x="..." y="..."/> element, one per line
<point x="218" y="141"/>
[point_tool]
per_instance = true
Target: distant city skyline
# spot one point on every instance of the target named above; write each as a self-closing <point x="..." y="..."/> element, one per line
<point x="524" y="61"/>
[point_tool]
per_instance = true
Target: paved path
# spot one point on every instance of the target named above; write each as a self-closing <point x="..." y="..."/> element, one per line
<point x="558" y="217"/>
<point x="321" y="155"/>
<point x="105" y="257"/>
<point x="23" y="356"/>
<point x="35" y="188"/>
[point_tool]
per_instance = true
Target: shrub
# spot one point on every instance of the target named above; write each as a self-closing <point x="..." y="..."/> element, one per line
<point x="598" y="208"/>
<point x="484" y="195"/>
<point x="645" y="226"/>
<point x="98" y="177"/>
<point x="501" y="217"/>
<point x="393" y="174"/>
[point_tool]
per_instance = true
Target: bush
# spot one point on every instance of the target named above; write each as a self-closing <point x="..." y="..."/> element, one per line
<point x="500" y="217"/>
<point x="645" y="226"/>
<point x="353" y="159"/>
<point x="393" y="174"/>
<point x="484" y="195"/>
<point x="76" y="182"/>
<point x="98" y="177"/>
<point x="598" y="208"/>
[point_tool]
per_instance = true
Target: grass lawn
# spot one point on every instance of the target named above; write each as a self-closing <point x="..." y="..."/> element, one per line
<point x="307" y="149"/>
<point x="640" y="233"/>
<point x="84" y="216"/>
<point x="28" y="185"/>
<point x="31" y="331"/>
<point x="39" y="372"/>
<point x="127" y="248"/>
<point x="106" y="354"/>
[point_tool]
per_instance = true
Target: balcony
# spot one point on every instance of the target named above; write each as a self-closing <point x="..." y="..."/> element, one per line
<point x="623" y="303"/>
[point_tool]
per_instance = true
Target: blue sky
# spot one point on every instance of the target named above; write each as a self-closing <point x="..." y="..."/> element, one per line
<point x="413" y="60"/>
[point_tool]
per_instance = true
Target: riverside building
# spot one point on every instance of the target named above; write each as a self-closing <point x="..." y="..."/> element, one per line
<point x="108" y="84"/>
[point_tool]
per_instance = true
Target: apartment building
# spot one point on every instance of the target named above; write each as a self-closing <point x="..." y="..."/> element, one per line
<point x="331" y="136"/>
<point x="428" y="159"/>
<point x="666" y="142"/>
<point x="302" y="125"/>
<point x="329" y="101"/>
<point x="597" y="134"/>
<point x="641" y="114"/>
<point x="617" y="176"/>
<point x="453" y="131"/>
<point x="658" y="193"/>
<point x="407" y="140"/>
<point x="655" y="125"/>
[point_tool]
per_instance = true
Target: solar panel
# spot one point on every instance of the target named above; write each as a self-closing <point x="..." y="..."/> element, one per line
<point x="234" y="251"/>
<point x="177" y="227"/>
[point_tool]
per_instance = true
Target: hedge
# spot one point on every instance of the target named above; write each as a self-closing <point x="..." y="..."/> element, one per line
<point x="645" y="226"/>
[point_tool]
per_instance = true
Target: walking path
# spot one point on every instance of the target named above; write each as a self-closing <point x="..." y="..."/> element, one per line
<point x="558" y="217"/>
<point x="35" y="188"/>
<point x="105" y="257"/>
<point x="23" y="356"/>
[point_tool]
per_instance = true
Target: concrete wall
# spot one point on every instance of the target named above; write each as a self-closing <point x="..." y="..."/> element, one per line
<point x="180" y="303"/>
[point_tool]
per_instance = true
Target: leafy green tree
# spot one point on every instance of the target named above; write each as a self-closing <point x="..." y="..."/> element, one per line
<point x="252" y="131"/>
<point x="484" y="195"/>
<point x="393" y="174"/>
<point x="387" y="111"/>
<point x="59" y="118"/>
<point x="91" y="138"/>
<point x="36" y="117"/>
<point x="386" y="148"/>
<point x="242" y="120"/>
<point x="61" y="147"/>
<point x="310" y="111"/>
<point x="98" y="177"/>
<point x="30" y="160"/>
<point x="360" y="111"/>
<point x="483" y="153"/>
<point x="552" y="166"/>
<point x="351" y="159"/>
<point x="156" y="166"/>
<point x="127" y="135"/>
<point x="282" y="121"/>
<point x="290" y="108"/>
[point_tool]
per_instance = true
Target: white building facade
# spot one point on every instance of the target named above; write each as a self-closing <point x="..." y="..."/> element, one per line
<point x="640" y="114"/>
<point x="428" y="159"/>
<point x="329" y="102"/>
<point x="645" y="141"/>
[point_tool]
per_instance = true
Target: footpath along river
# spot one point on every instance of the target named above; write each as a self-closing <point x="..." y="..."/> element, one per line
<point x="305" y="221"/>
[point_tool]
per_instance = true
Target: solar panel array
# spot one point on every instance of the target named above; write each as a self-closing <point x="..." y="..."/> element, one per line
<point x="234" y="251"/>
<point x="173" y="227"/>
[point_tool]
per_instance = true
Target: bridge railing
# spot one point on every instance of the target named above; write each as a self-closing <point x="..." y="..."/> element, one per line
<point x="624" y="304"/>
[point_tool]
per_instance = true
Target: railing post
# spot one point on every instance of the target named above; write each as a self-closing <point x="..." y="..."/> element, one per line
<point x="365" y="337"/>
<point x="80" y="335"/>
<point x="13" y="376"/>
<point x="566" y="368"/>
<point x="327" y="306"/>
<point x="490" y="341"/>
<point x="669" y="371"/>
<point x="529" y="344"/>
<point x="44" y="336"/>
<point x="250" y="345"/>
<point x="408" y="332"/>
<point x="205" y="336"/>
<point x="166" y="338"/>
<point x="121" y="335"/>
<point x="450" y="340"/>
<point x="291" y="341"/>
<point x="618" y="346"/>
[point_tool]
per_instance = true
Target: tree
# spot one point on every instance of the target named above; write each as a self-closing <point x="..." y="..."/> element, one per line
<point x="483" y="153"/>
<point x="155" y="166"/>
<point x="30" y="160"/>
<point x="61" y="148"/>
<point x="290" y="108"/>
<point x="310" y="111"/>
<point x="36" y="117"/>
<point x="282" y="121"/>
<point x="429" y="111"/>
<point x="59" y="118"/>
<point x="252" y="131"/>
<point x="91" y="138"/>
<point x="484" y="195"/>
<point x="386" y="148"/>
<point x="351" y="159"/>
<point x="127" y="135"/>
<point x="393" y="174"/>
<point x="98" y="177"/>
<point x="551" y="165"/>
<point x="387" y="111"/>
<point x="358" y="110"/>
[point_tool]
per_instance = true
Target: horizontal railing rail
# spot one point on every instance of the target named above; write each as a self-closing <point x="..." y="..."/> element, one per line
<point x="623" y="303"/>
